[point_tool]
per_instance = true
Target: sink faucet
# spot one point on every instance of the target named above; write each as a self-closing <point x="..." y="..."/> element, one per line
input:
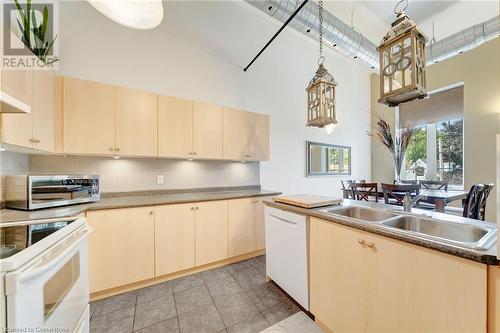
<point x="408" y="202"/>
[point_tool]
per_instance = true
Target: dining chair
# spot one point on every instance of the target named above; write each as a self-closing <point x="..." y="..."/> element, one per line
<point x="434" y="185"/>
<point x="394" y="194"/>
<point x="406" y="181"/>
<point x="485" y="193"/>
<point x="471" y="204"/>
<point x="363" y="191"/>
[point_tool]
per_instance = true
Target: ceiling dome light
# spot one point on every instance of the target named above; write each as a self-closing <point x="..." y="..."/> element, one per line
<point x="136" y="14"/>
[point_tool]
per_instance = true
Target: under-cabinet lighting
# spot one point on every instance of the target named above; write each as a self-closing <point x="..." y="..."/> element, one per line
<point x="190" y="159"/>
<point x="242" y="161"/>
<point x="116" y="157"/>
<point x="136" y="14"/>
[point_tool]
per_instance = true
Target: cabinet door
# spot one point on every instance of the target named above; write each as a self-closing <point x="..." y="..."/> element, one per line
<point x="260" y="225"/>
<point x="174" y="238"/>
<point x="136" y="122"/>
<point x="17" y="129"/>
<point x="416" y="289"/>
<point x="207" y="120"/>
<point x="258" y="136"/>
<point x="211" y="232"/>
<point x="89" y="117"/>
<point x="43" y="109"/>
<point x="241" y="226"/>
<point x="234" y="134"/>
<point x="18" y="84"/>
<point x="121" y="247"/>
<point x="338" y="280"/>
<point x="175" y="127"/>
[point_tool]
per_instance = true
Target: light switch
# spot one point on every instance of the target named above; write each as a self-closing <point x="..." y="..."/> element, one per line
<point x="160" y="180"/>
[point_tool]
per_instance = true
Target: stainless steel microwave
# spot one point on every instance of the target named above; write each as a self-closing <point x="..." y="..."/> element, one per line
<point x="30" y="192"/>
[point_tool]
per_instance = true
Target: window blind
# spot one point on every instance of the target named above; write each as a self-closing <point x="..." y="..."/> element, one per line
<point x="441" y="106"/>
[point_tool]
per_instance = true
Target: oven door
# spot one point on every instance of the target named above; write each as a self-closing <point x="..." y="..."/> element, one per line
<point x="52" y="291"/>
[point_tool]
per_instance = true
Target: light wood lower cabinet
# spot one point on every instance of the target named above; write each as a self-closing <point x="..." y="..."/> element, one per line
<point x="260" y="225"/>
<point x="368" y="283"/>
<point x="494" y="299"/>
<point x="134" y="244"/>
<point x="174" y="238"/>
<point x="241" y="226"/>
<point x="211" y="232"/>
<point x="121" y="247"/>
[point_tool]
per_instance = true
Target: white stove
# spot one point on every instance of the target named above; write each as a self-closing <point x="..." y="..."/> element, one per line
<point x="44" y="276"/>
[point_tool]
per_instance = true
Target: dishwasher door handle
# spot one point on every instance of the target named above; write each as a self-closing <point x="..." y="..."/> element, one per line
<point x="282" y="220"/>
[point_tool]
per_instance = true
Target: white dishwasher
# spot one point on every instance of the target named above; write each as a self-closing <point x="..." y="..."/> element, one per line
<point x="286" y="253"/>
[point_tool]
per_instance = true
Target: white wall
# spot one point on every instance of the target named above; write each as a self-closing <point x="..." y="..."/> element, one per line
<point x="199" y="51"/>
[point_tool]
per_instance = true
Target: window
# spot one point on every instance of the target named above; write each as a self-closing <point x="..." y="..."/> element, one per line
<point x="450" y="151"/>
<point x="436" y="151"/>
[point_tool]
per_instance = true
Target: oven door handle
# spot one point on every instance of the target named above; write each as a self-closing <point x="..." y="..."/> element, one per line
<point x="50" y="260"/>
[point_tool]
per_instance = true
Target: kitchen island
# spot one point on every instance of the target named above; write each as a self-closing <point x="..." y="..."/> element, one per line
<point x="366" y="276"/>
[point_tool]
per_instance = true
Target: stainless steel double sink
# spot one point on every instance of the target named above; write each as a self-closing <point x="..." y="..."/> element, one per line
<point x="477" y="236"/>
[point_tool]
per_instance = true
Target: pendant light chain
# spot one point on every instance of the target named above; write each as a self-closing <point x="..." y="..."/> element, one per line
<point x="321" y="58"/>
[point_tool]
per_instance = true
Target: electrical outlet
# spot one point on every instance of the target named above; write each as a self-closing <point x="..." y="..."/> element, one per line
<point x="160" y="180"/>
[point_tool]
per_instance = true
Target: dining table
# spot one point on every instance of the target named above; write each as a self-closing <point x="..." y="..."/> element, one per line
<point x="438" y="198"/>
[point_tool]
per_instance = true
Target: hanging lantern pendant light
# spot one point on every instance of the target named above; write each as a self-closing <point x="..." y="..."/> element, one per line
<point x="402" y="61"/>
<point x="321" y="89"/>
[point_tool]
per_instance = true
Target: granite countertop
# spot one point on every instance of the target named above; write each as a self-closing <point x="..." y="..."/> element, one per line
<point x="137" y="199"/>
<point x="486" y="257"/>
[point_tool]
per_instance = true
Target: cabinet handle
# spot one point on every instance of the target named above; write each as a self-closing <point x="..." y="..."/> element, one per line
<point x="151" y="213"/>
<point x="370" y="245"/>
<point x="117" y="149"/>
<point x="197" y="207"/>
<point x="111" y="149"/>
<point x="31" y="140"/>
<point x="192" y="208"/>
<point x="194" y="153"/>
<point x="36" y="140"/>
<point x="361" y="241"/>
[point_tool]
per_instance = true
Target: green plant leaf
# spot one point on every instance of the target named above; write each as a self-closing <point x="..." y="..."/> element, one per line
<point x="45" y="21"/>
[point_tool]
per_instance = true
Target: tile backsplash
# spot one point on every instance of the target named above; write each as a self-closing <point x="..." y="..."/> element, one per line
<point x="137" y="174"/>
<point x="11" y="164"/>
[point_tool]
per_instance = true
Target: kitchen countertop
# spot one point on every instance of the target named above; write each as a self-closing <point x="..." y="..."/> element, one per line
<point x="486" y="257"/>
<point x="137" y="199"/>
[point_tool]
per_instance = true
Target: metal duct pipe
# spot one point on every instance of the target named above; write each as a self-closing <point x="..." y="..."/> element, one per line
<point x="351" y="43"/>
<point x="462" y="41"/>
<point x="337" y="34"/>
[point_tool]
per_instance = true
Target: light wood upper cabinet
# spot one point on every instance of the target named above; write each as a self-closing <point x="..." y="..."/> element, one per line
<point x="258" y="136"/>
<point x="121" y="247"/>
<point x="136" y="122"/>
<point x="36" y="129"/>
<point x="241" y="226"/>
<point x="234" y="133"/>
<point x="17" y="129"/>
<point x="207" y="123"/>
<point x="384" y="285"/>
<point x="175" y="127"/>
<point x="174" y="238"/>
<point x="89" y="117"/>
<point x="211" y="232"/>
<point x="43" y="109"/>
<point x="18" y="84"/>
